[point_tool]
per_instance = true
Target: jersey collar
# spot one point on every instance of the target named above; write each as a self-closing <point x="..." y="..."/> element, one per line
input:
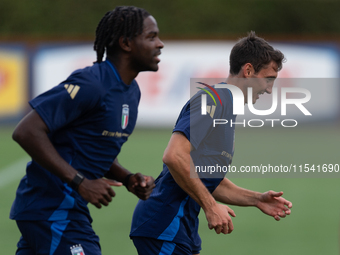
<point x="114" y="70"/>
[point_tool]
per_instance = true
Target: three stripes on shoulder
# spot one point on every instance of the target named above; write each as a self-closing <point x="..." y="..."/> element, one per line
<point x="72" y="89"/>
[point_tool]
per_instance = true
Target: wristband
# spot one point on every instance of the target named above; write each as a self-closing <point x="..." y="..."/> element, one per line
<point x="77" y="180"/>
<point x="126" y="180"/>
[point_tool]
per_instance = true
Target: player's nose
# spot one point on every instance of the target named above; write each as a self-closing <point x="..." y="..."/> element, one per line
<point x="160" y="44"/>
<point x="269" y="89"/>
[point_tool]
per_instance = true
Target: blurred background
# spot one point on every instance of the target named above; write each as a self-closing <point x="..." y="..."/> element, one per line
<point x="42" y="42"/>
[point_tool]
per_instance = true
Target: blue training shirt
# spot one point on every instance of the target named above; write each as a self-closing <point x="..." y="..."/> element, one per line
<point x="170" y="214"/>
<point x="90" y="116"/>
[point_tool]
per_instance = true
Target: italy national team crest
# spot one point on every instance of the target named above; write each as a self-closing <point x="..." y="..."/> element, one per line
<point x="77" y="250"/>
<point x="125" y="116"/>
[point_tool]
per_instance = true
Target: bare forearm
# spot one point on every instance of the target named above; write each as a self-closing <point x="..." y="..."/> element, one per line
<point x="177" y="158"/>
<point x="229" y="193"/>
<point x="32" y="135"/>
<point x="34" y="140"/>
<point x="117" y="172"/>
<point x="192" y="186"/>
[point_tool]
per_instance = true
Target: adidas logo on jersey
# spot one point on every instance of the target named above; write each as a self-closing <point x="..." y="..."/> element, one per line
<point x="72" y="90"/>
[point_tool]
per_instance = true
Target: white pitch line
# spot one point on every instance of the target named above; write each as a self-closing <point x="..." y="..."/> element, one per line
<point x="13" y="172"/>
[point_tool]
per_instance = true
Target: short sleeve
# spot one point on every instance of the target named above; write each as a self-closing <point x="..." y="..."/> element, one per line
<point x="202" y="125"/>
<point x="183" y="121"/>
<point x="193" y="124"/>
<point x="66" y="102"/>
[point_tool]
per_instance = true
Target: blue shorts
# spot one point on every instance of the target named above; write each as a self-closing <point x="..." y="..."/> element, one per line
<point x="57" y="238"/>
<point x="152" y="246"/>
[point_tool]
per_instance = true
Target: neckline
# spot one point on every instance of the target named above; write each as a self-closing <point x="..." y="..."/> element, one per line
<point x="114" y="70"/>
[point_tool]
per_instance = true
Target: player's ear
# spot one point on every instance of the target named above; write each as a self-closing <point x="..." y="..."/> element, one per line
<point x="248" y="70"/>
<point x="125" y="44"/>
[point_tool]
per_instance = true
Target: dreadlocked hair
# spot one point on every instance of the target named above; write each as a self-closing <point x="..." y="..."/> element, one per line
<point x="126" y="21"/>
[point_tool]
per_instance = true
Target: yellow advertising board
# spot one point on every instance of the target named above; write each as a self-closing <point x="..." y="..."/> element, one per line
<point x="13" y="82"/>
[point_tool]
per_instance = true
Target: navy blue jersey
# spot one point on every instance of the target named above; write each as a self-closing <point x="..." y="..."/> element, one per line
<point x="90" y="116"/>
<point x="170" y="214"/>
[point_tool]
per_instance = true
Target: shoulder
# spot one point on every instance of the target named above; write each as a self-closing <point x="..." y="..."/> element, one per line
<point x="86" y="76"/>
<point x="88" y="81"/>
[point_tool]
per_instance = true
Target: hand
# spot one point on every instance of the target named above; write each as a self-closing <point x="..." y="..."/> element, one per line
<point x="141" y="185"/>
<point x="113" y="182"/>
<point x="273" y="204"/>
<point x="98" y="192"/>
<point x="218" y="218"/>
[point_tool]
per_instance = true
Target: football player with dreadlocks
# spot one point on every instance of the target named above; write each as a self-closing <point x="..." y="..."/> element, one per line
<point x="74" y="133"/>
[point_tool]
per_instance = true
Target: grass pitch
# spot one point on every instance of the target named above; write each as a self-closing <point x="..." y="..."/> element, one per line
<point x="313" y="227"/>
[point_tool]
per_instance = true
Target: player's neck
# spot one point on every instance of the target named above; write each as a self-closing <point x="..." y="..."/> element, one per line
<point x="238" y="81"/>
<point x="127" y="74"/>
<point x="235" y="80"/>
